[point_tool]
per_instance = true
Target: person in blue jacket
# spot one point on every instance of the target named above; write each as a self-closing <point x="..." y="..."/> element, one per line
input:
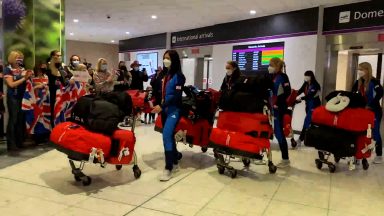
<point x="311" y="89"/>
<point x="170" y="108"/>
<point x="280" y="92"/>
<point x="372" y="91"/>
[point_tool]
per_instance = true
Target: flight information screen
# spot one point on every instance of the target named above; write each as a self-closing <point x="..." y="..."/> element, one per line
<point x="255" y="57"/>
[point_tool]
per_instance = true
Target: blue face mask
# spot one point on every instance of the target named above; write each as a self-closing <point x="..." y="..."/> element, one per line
<point x="75" y="63"/>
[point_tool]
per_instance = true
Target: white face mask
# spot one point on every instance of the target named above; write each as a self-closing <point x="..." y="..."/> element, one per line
<point x="229" y="72"/>
<point x="104" y="67"/>
<point x="136" y="68"/>
<point x="271" y="70"/>
<point x="307" y="78"/>
<point x="167" y="63"/>
<point x="360" y="73"/>
<point x="75" y="63"/>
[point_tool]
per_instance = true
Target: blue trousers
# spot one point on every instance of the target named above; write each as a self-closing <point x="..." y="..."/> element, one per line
<point x="279" y="133"/>
<point x="376" y="133"/>
<point x="171" y="117"/>
<point x="307" y="121"/>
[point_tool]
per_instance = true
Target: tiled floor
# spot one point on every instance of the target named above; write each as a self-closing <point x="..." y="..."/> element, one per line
<point x="44" y="186"/>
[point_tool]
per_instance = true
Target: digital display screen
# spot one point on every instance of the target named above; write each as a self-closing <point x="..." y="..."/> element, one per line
<point x="255" y="57"/>
<point x="148" y="61"/>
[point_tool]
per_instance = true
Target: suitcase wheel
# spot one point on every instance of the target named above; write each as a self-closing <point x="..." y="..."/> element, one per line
<point x="246" y="162"/>
<point x="337" y="159"/>
<point x="319" y="164"/>
<point x="332" y="168"/>
<point x="365" y="164"/>
<point x="119" y="167"/>
<point x="136" y="171"/>
<point x="204" y="149"/>
<point x="293" y="143"/>
<point x="179" y="156"/>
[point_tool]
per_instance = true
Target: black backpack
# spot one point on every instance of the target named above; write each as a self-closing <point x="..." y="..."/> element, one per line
<point x="121" y="99"/>
<point x="104" y="117"/>
<point x="80" y="111"/>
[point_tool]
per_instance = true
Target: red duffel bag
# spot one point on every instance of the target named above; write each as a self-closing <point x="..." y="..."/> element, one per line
<point x="237" y="143"/>
<point x="125" y="147"/>
<point x="138" y="98"/>
<point x="77" y="142"/>
<point x="197" y="132"/>
<point x="245" y="123"/>
<point x="350" y="119"/>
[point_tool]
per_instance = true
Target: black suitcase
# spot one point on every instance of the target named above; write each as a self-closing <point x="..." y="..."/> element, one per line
<point x="340" y="143"/>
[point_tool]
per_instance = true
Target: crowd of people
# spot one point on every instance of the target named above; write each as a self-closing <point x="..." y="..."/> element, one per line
<point x="39" y="99"/>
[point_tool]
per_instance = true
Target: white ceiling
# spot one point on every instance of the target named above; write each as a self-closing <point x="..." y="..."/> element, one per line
<point x="134" y="16"/>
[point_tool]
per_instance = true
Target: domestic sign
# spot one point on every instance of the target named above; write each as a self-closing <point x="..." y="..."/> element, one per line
<point x="296" y="23"/>
<point x="354" y="17"/>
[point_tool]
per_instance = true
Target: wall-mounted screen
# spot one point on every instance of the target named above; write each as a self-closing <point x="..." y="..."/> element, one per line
<point x="255" y="57"/>
<point x="148" y="61"/>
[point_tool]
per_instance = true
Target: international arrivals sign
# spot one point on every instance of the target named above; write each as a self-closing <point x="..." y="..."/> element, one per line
<point x="362" y="16"/>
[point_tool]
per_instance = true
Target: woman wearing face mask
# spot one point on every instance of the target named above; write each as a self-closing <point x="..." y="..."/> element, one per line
<point x="311" y="89"/>
<point x="124" y="78"/>
<point x="281" y="91"/>
<point x="231" y="78"/>
<point x="104" y="80"/>
<point x="74" y="62"/>
<point x="15" y="77"/>
<point x="58" y="78"/>
<point x="370" y="88"/>
<point x="170" y="109"/>
<point x="138" y="77"/>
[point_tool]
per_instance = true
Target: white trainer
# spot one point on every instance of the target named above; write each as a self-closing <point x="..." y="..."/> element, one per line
<point x="283" y="164"/>
<point x="176" y="168"/>
<point x="378" y="160"/>
<point x="166" y="176"/>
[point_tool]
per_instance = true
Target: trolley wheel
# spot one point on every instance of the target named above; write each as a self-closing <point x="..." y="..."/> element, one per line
<point x="332" y="168"/>
<point x="179" y="156"/>
<point x="319" y="164"/>
<point x="272" y="168"/>
<point x="221" y="169"/>
<point x="87" y="181"/>
<point x="337" y="159"/>
<point x="119" y="167"/>
<point x="233" y="173"/>
<point x="321" y="155"/>
<point x="204" y="149"/>
<point x="365" y="164"/>
<point x="246" y="162"/>
<point x="136" y="171"/>
<point x="77" y="178"/>
<point x="293" y="143"/>
<point x="215" y="154"/>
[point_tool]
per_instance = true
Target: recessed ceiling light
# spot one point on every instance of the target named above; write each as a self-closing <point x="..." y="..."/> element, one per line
<point x="75" y="20"/>
<point x="71" y="34"/>
<point x="112" y="41"/>
<point x="252" y="12"/>
<point x="154" y="17"/>
<point x="127" y="33"/>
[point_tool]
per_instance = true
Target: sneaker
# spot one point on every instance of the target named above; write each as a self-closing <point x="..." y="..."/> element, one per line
<point x="378" y="160"/>
<point x="176" y="168"/>
<point x="166" y="176"/>
<point x="284" y="164"/>
<point x="298" y="141"/>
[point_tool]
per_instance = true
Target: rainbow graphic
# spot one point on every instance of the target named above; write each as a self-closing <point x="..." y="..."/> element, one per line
<point x="272" y="53"/>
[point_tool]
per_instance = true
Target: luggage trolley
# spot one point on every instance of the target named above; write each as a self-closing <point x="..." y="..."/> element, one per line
<point x="223" y="142"/>
<point x="97" y="157"/>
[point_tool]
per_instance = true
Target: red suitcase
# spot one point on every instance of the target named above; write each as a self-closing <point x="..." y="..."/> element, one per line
<point x="237" y="143"/>
<point x="350" y="119"/>
<point x="363" y="150"/>
<point x="245" y="123"/>
<point x="77" y="142"/>
<point x="197" y="133"/>
<point x="287" y="122"/>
